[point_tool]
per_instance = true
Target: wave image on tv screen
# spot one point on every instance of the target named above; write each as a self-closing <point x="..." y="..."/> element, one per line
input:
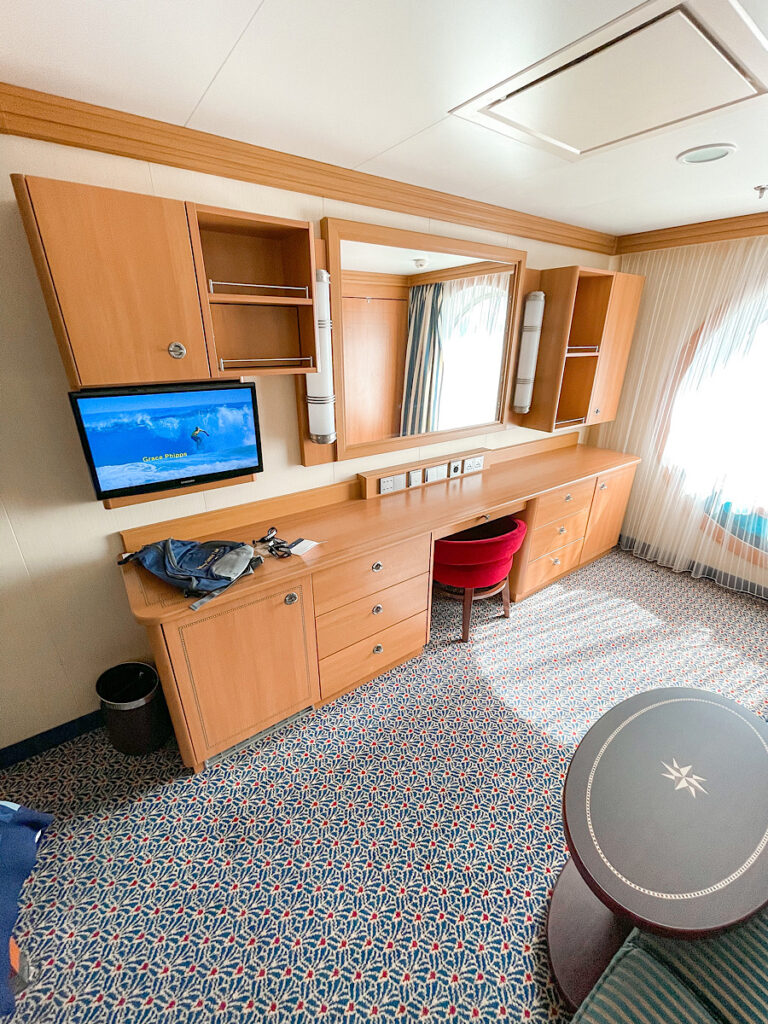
<point x="145" y="439"/>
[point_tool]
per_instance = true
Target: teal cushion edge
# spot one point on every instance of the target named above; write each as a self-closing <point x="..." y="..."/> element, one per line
<point x="636" y="988"/>
<point x="729" y="972"/>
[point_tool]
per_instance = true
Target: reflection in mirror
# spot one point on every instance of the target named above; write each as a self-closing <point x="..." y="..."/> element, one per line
<point x="425" y="337"/>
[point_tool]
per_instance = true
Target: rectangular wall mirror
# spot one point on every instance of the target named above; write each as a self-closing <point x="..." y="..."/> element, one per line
<point x="423" y="335"/>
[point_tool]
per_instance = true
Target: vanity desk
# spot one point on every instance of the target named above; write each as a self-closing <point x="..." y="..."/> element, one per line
<point x="303" y="630"/>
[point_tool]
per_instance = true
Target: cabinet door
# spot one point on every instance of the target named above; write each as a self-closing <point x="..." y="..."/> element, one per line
<point x="242" y="667"/>
<point x="607" y="513"/>
<point x="123" y="274"/>
<point x="614" y="347"/>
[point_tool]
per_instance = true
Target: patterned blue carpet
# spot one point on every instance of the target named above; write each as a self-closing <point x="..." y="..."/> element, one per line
<point x="387" y="858"/>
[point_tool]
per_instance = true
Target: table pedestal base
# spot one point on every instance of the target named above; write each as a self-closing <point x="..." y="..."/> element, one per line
<point x="583" y="935"/>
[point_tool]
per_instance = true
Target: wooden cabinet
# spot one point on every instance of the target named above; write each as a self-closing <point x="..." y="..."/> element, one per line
<point x="242" y="667"/>
<point x="607" y="513"/>
<point x="589" y="321"/>
<point x="119" y="280"/>
<point x="145" y="290"/>
<point x="568" y="527"/>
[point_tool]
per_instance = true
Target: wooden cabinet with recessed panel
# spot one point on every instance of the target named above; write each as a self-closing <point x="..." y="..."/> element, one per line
<point x="238" y="668"/>
<point x="589" y="321"/>
<point x="119" y="281"/>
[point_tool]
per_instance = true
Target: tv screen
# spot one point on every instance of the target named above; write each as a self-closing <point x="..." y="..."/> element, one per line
<point x="154" y="438"/>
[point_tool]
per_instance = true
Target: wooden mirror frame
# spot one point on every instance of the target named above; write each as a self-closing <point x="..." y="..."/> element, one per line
<point x="334" y="232"/>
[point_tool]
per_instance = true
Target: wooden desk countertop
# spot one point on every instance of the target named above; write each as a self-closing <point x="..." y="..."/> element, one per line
<point x="352" y="527"/>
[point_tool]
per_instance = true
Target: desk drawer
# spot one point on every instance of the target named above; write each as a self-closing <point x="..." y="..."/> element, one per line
<point x="557" y="534"/>
<point x="367" y="574"/>
<point x="372" y="614"/>
<point x="370" y="657"/>
<point x="553" y="565"/>
<point x="564" y="501"/>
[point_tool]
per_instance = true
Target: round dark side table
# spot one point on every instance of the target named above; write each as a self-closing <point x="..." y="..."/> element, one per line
<point x="666" y="817"/>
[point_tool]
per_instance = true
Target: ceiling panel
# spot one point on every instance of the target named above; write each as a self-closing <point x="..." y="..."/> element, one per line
<point x="656" y="75"/>
<point x="344" y="81"/>
<point x="148" y="57"/>
<point x="460" y="157"/>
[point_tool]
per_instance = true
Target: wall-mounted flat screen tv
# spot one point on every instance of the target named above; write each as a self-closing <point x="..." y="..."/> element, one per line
<point x="158" y="437"/>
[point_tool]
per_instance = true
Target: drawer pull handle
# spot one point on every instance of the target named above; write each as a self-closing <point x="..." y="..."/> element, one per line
<point x="176" y="350"/>
<point x="378" y="649"/>
<point x="291" y="598"/>
<point x="377" y="566"/>
<point x="603" y="487"/>
<point x="377" y="609"/>
<point x="569" y="497"/>
<point x="486" y="517"/>
<point x="555" y="561"/>
<point x="562" y="530"/>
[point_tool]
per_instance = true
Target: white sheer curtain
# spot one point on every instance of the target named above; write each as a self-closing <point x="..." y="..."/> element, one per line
<point x="695" y="407"/>
<point x="473" y="318"/>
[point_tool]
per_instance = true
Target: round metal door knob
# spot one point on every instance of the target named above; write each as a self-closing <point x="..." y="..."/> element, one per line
<point x="377" y="566"/>
<point x="569" y="497"/>
<point x="176" y="350"/>
<point x="291" y="598"/>
<point x="603" y="487"/>
<point x="377" y="609"/>
<point x="555" y="561"/>
<point x="562" y="530"/>
<point x="597" y="412"/>
<point x="378" y="649"/>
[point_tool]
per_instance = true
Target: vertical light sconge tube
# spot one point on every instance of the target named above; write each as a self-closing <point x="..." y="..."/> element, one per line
<point x="533" y="315"/>
<point x="321" y="400"/>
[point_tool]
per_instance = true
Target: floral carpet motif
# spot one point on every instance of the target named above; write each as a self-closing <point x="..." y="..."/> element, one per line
<point x="388" y="857"/>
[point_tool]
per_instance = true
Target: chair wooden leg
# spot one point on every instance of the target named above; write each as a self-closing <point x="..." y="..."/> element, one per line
<point x="469" y="593"/>
<point x="505" y="597"/>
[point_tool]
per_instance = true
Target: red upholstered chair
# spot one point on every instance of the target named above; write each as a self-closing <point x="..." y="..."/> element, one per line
<point x="477" y="561"/>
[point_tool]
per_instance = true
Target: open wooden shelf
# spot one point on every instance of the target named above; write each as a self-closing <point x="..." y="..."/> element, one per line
<point x="238" y="253"/>
<point x="589" y="318"/>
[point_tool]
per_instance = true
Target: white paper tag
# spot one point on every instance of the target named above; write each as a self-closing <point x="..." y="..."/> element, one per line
<point x="301" y="546"/>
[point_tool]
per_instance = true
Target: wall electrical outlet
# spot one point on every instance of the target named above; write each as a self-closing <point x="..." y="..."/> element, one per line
<point x="473" y="464"/>
<point x="386" y="484"/>
<point x="454" y="468"/>
<point x="399" y="482"/>
<point x="432" y="473"/>
<point x="414" y="477"/>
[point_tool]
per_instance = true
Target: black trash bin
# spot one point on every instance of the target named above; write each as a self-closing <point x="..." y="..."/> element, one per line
<point x="133" y="707"/>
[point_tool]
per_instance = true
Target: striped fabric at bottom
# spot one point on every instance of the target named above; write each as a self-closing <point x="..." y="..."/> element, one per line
<point x="729" y="972"/>
<point x="637" y="989"/>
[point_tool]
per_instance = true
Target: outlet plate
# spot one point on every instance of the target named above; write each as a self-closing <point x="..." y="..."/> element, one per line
<point x="386" y="485"/>
<point x="474" y="464"/>
<point x="399" y="482"/>
<point x="454" y="467"/>
<point x="415" y="478"/>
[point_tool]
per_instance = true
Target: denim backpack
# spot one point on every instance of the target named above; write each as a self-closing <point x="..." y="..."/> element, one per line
<point x="201" y="569"/>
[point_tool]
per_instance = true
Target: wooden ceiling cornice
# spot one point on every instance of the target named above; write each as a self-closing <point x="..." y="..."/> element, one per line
<point x="41" y="115"/>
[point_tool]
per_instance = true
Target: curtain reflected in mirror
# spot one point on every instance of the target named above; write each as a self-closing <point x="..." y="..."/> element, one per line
<point x="425" y="338"/>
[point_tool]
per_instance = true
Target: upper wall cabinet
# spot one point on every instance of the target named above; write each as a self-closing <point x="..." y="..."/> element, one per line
<point x="589" y="320"/>
<point x="119" y="281"/>
<point x="142" y="289"/>
<point x="257" y="279"/>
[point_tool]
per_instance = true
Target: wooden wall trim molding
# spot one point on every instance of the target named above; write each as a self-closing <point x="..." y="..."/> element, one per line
<point x="694" y="234"/>
<point x="40" y="115"/>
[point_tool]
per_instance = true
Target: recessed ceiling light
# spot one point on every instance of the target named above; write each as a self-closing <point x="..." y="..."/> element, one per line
<point x="706" y="154"/>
